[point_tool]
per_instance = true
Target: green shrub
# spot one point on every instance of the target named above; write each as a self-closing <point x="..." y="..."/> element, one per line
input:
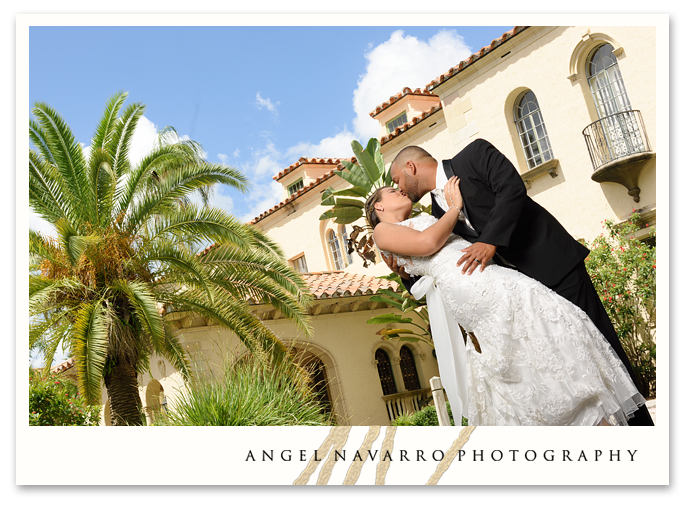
<point x="425" y="417"/>
<point x="54" y="400"/>
<point x="248" y="392"/>
<point x="623" y="271"/>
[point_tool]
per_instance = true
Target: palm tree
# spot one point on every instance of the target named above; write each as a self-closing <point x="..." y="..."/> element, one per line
<point x="130" y="247"/>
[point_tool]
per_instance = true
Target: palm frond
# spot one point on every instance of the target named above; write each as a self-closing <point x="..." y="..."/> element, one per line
<point x="46" y="193"/>
<point x="73" y="243"/>
<point x="162" y="159"/>
<point x="247" y="274"/>
<point x="201" y="225"/>
<point x="49" y="330"/>
<point x="265" y="243"/>
<point x="90" y="346"/>
<point x="145" y="306"/>
<point x="66" y="153"/>
<point x="179" y="266"/>
<point x="232" y="314"/>
<point x="43" y="291"/>
<point x="162" y="198"/>
<point x="118" y="145"/>
<point x="175" y="353"/>
<point x="42" y="248"/>
<point x="104" y="130"/>
<point x="104" y="183"/>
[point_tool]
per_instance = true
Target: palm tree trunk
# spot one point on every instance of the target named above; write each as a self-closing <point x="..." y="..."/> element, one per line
<point x="123" y="394"/>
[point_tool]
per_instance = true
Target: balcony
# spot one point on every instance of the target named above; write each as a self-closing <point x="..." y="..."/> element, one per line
<point x="406" y="402"/>
<point x="619" y="150"/>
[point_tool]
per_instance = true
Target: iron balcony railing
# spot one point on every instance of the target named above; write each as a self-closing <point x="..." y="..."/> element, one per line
<point x="616" y="136"/>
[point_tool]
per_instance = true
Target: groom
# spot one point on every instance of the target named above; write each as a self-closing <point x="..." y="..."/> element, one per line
<point x="503" y="223"/>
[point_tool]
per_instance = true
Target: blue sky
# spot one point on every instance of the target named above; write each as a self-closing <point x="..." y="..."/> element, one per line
<point x="256" y="98"/>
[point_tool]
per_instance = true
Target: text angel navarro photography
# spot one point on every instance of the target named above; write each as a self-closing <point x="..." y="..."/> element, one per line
<point x="553" y="455"/>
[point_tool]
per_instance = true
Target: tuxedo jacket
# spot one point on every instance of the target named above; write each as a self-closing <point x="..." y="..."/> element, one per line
<point x="502" y="214"/>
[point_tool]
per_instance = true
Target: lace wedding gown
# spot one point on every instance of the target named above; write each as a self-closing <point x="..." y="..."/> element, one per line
<point x="542" y="360"/>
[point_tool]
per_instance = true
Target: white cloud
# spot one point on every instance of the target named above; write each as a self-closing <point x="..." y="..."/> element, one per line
<point x="236" y="153"/>
<point x="143" y="140"/>
<point x="402" y="61"/>
<point x="266" y="103"/>
<point x="338" y="146"/>
<point x="222" y="158"/>
<point x="263" y="196"/>
<point x="267" y="161"/>
<point x="146" y="136"/>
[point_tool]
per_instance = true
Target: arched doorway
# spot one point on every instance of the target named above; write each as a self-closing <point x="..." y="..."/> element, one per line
<point x="319" y="380"/>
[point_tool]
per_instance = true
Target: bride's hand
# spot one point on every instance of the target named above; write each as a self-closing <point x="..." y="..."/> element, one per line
<point x="452" y="193"/>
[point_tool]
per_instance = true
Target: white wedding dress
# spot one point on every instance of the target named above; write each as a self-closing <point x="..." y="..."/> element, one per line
<point x="542" y="360"/>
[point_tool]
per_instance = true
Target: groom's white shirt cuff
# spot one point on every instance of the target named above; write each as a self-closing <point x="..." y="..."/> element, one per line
<point x="438" y="193"/>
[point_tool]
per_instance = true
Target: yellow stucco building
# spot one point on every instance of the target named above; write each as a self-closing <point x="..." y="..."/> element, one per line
<point x="573" y="108"/>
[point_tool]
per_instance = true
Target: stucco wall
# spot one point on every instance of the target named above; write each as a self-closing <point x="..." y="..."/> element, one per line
<point x="478" y="103"/>
<point x="343" y="341"/>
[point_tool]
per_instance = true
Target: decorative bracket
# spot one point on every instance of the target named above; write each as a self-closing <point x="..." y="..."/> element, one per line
<point x="550" y="167"/>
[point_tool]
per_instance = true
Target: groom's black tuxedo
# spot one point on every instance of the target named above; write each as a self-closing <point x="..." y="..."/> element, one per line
<point x="495" y="202"/>
<point x="527" y="236"/>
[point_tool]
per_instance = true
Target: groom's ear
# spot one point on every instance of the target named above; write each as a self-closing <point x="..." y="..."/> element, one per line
<point x="412" y="167"/>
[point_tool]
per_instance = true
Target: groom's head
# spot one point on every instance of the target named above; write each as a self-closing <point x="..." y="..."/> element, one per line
<point x="414" y="171"/>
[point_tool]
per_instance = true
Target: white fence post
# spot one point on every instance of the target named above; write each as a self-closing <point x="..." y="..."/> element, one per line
<point x="439" y="400"/>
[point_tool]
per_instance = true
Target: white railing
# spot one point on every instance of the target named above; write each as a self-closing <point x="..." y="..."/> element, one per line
<point x="405" y="402"/>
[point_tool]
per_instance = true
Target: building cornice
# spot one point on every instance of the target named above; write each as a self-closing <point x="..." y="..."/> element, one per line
<point x="463" y="65"/>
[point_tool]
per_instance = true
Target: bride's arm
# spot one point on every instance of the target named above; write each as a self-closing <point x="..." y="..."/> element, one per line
<point x="407" y="241"/>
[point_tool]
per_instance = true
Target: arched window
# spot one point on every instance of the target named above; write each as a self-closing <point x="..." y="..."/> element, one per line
<point x="335" y="249"/>
<point x="619" y="124"/>
<point x="344" y="242"/>
<point x="532" y="131"/>
<point x="384" y="369"/>
<point x="408" y="369"/>
<point x="605" y="81"/>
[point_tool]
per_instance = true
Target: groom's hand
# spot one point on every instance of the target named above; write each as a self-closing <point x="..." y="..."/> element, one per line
<point x="476" y="255"/>
<point x="394" y="267"/>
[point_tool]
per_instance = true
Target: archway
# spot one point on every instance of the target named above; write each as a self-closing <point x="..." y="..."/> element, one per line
<point x="155" y="400"/>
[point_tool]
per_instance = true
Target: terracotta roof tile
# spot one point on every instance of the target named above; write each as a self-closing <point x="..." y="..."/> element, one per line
<point x="340" y="284"/>
<point x="303" y="160"/>
<point x="399" y="130"/>
<point x="395" y="98"/>
<point x="68" y="364"/>
<point x="332" y="284"/>
<point x="474" y="57"/>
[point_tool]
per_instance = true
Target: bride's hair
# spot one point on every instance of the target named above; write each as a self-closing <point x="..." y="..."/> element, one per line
<point x="369" y="208"/>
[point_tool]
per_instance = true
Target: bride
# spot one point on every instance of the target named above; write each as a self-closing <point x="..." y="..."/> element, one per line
<point x="541" y="362"/>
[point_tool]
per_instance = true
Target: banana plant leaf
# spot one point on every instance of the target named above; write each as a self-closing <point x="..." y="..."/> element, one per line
<point x="389" y="302"/>
<point x="343" y="215"/>
<point x="370" y="159"/>
<point x="389" y="318"/>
